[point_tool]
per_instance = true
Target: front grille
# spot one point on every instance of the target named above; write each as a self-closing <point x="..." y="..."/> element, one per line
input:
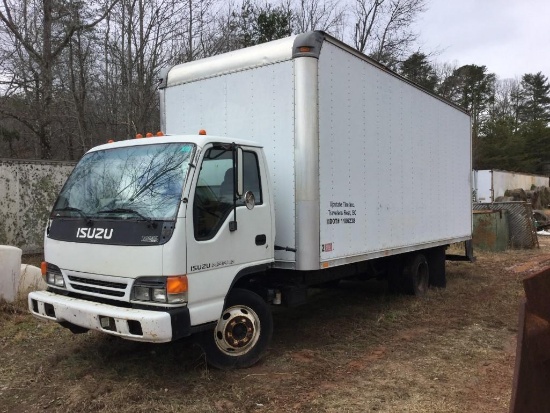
<point x="95" y="286"/>
<point x="97" y="282"/>
<point x="98" y="290"/>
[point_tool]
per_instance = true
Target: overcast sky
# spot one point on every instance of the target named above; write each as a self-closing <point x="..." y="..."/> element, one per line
<point x="510" y="37"/>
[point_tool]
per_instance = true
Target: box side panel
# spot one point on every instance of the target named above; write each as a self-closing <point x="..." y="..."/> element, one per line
<point x="395" y="162"/>
<point x="503" y="180"/>
<point x="255" y="104"/>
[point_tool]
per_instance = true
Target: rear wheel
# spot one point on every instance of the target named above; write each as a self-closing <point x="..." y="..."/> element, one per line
<point x="242" y="334"/>
<point x="416" y="275"/>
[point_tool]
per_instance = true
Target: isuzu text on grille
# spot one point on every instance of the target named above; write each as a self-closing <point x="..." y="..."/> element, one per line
<point x="98" y="233"/>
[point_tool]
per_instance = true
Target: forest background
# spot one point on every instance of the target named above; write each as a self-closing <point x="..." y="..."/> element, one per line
<point x="76" y="73"/>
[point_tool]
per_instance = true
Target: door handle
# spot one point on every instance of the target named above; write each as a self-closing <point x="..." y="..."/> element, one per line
<point x="261" y="239"/>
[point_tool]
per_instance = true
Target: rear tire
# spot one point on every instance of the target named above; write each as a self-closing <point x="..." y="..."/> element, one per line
<point x="242" y="334"/>
<point x="416" y="275"/>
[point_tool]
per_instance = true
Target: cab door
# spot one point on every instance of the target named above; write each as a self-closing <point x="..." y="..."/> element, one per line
<point x="217" y="249"/>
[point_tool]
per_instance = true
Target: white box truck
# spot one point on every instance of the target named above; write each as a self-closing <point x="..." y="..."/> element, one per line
<point x="489" y="185"/>
<point x="313" y="163"/>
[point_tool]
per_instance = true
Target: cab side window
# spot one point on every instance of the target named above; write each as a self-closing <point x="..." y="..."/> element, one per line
<point x="213" y="200"/>
<point x="251" y="177"/>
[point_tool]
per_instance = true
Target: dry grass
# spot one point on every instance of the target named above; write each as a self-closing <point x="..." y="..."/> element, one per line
<point x="351" y="349"/>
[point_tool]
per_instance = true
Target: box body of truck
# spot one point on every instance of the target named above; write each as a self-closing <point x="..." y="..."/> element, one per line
<point x="364" y="164"/>
<point x="317" y="164"/>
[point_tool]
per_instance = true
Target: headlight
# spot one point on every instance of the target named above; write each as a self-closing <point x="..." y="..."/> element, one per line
<point x="53" y="275"/>
<point x="170" y="290"/>
<point x="159" y="294"/>
<point x="142" y="293"/>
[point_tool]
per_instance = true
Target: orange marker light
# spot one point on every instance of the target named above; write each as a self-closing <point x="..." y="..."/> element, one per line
<point x="110" y="141"/>
<point x="44" y="267"/>
<point x="149" y="135"/>
<point x="177" y="284"/>
<point x="159" y="133"/>
<point x="139" y="136"/>
<point x="202" y="132"/>
<point x="304" y="49"/>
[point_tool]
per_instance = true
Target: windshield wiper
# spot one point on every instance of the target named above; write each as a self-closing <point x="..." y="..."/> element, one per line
<point x="125" y="211"/>
<point x="73" y="209"/>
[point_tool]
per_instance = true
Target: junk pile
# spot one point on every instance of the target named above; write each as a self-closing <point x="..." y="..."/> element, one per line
<point x="542" y="222"/>
<point x="538" y="197"/>
<point x="514" y="227"/>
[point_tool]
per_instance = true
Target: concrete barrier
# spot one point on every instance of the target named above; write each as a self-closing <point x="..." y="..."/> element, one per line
<point x="31" y="280"/>
<point x="10" y="272"/>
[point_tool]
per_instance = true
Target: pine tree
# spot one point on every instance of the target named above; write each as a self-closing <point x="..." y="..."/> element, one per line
<point x="471" y="87"/>
<point x="418" y="69"/>
<point x="535" y="91"/>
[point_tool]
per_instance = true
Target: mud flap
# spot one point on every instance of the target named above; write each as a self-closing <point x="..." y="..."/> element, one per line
<point x="436" y="263"/>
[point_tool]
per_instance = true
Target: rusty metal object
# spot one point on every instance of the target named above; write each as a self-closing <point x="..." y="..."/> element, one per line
<point x="520" y="219"/>
<point x="491" y="230"/>
<point x="531" y="388"/>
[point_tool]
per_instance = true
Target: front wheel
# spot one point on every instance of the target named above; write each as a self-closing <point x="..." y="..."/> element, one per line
<point x="242" y="334"/>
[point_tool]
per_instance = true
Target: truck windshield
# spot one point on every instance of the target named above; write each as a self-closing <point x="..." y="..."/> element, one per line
<point x="139" y="182"/>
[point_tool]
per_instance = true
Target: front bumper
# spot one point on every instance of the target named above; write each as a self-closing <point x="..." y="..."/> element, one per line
<point x="154" y="326"/>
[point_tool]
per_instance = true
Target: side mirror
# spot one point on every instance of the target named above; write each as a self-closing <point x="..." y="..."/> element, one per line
<point x="240" y="185"/>
<point x="249" y="200"/>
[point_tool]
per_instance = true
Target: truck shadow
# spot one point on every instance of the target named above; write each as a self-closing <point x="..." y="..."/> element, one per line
<point x="331" y="316"/>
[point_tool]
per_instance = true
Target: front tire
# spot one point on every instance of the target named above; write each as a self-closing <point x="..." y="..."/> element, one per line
<point x="242" y="334"/>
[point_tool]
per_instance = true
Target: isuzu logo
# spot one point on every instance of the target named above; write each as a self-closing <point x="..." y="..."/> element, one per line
<point x="97" y="233"/>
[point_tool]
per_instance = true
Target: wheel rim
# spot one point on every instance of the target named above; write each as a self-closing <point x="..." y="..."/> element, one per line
<point x="238" y="330"/>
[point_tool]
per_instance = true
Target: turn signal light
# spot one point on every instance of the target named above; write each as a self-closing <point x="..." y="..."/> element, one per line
<point x="177" y="284"/>
<point x="44" y="268"/>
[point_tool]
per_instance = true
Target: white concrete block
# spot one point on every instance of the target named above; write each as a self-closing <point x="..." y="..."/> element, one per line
<point x="10" y="269"/>
<point x="31" y="280"/>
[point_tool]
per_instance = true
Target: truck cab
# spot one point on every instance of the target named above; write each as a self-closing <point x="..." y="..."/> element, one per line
<point x="148" y="236"/>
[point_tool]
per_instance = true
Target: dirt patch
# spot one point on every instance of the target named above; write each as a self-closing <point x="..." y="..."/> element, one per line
<point x="354" y="348"/>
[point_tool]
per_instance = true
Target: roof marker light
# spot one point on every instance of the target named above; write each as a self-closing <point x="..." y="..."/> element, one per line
<point x="149" y="135"/>
<point x="139" y="136"/>
<point x="202" y="132"/>
<point x="159" y="133"/>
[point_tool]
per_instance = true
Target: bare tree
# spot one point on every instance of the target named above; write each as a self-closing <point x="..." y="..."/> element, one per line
<point x="326" y="15"/>
<point x="366" y="15"/>
<point x="506" y="100"/>
<point x="199" y="26"/>
<point x="41" y="40"/>
<point x="138" y="38"/>
<point x="383" y="30"/>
